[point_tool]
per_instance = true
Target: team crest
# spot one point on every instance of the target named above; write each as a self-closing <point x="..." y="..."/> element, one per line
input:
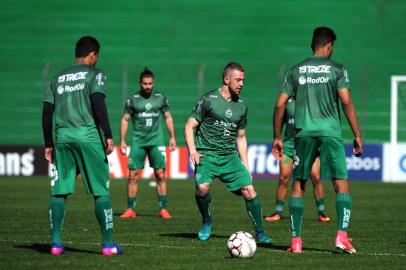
<point x="60" y="89"/>
<point x="296" y="160"/>
<point x="148" y="106"/>
<point x="228" y="113"/>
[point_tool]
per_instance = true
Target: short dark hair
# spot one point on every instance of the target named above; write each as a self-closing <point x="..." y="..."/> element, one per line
<point x="321" y="36"/>
<point x="232" y="66"/>
<point x="146" y="73"/>
<point x="86" y="45"/>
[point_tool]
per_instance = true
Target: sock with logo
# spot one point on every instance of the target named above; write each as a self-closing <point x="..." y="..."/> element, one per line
<point x="162" y="200"/>
<point x="132" y="202"/>
<point x="255" y="213"/>
<point x="203" y="203"/>
<point x="343" y="206"/>
<point x="56" y="213"/>
<point x="296" y="205"/>
<point x="320" y="206"/>
<point x="279" y="206"/>
<point x="104" y="215"/>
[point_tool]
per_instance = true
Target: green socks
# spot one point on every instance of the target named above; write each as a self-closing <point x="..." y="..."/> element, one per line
<point x="296" y="205"/>
<point x="56" y="213"/>
<point x="320" y="206"/>
<point x="104" y="215"/>
<point x="203" y="203"/>
<point x="255" y="212"/>
<point x="279" y="206"/>
<point x="343" y="206"/>
<point x="132" y="202"/>
<point x="162" y="200"/>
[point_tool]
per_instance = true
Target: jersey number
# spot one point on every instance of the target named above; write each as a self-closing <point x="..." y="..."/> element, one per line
<point x="148" y="122"/>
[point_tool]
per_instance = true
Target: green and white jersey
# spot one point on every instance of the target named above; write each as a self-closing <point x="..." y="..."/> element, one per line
<point x="314" y="84"/>
<point x="70" y="92"/>
<point x="145" y="114"/>
<point x="289" y="122"/>
<point x="219" y="119"/>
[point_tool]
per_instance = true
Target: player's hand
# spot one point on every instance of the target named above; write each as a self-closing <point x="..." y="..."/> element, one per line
<point x="195" y="158"/>
<point x="172" y="144"/>
<point x="358" y="146"/>
<point x="277" y="149"/>
<point x="109" y="146"/>
<point x="123" y="148"/>
<point x="49" y="154"/>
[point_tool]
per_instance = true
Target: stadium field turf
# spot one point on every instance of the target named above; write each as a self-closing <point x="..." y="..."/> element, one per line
<point x="378" y="229"/>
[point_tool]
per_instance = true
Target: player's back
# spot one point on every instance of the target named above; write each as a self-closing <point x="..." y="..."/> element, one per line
<point x="315" y="85"/>
<point x="70" y="91"/>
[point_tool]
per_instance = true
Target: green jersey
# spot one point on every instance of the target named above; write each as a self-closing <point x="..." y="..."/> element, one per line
<point x="314" y="84"/>
<point x="70" y="92"/>
<point x="145" y="113"/>
<point x="219" y="120"/>
<point x="289" y="121"/>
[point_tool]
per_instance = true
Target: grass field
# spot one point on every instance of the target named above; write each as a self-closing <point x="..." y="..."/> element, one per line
<point x="378" y="227"/>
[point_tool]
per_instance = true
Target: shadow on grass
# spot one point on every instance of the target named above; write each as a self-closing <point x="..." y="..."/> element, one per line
<point x="191" y="235"/>
<point x="46" y="248"/>
<point x="138" y="215"/>
<point x="285" y="248"/>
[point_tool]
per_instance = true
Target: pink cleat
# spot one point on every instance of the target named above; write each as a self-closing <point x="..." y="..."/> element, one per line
<point x="128" y="213"/>
<point x="296" y="245"/>
<point x="111" y="250"/>
<point x="343" y="243"/>
<point x="57" y="249"/>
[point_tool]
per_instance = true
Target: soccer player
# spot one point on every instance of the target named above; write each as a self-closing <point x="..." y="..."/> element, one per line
<point x="144" y="108"/>
<point x="220" y="149"/>
<point x="286" y="166"/>
<point x="75" y="98"/>
<point x="318" y="85"/>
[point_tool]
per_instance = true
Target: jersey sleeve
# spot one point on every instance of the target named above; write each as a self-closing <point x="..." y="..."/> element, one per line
<point x="199" y="110"/>
<point x="49" y="94"/>
<point x="243" y="121"/>
<point x="128" y="108"/>
<point x="343" y="81"/>
<point x="99" y="83"/>
<point x="287" y="86"/>
<point x="165" y="105"/>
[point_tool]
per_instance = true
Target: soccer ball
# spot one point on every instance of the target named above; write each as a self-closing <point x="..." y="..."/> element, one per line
<point x="241" y="244"/>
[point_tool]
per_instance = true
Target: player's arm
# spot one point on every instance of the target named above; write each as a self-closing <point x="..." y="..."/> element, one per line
<point x="171" y="129"/>
<point x="278" y="113"/>
<point x="123" y="132"/>
<point x="191" y="124"/>
<point x="242" y="147"/>
<point x="350" y="113"/>
<point x="47" y="112"/>
<point x="100" y="112"/>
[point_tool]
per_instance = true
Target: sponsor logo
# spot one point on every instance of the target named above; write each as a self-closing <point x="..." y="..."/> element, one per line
<point x="72" y="77"/>
<point x="213" y="96"/>
<point x="69" y="89"/>
<point x="225" y="124"/>
<point x="366" y="163"/>
<point x="108" y="214"/>
<point x="346" y="219"/>
<point x="14" y="163"/>
<point x="315" y="69"/>
<point x="146" y="115"/>
<point x="308" y="80"/>
<point x="402" y="163"/>
<point x="148" y="106"/>
<point x="198" y="176"/>
<point x="261" y="161"/>
<point x="346" y="78"/>
<point x="100" y="79"/>
<point x="228" y="113"/>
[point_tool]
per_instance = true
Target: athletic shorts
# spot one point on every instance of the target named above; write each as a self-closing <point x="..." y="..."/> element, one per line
<point x="228" y="168"/>
<point x="156" y="157"/>
<point x="87" y="158"/>
<point x="289" y="148"/>
<point x="332" y="157"/>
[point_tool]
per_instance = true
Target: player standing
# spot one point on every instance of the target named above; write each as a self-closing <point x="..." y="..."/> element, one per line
<point x="220" y="149"/>
<point x="144" y="108"/>
<point x="76" y="99"/>
<point x="318" y="84"/>
<point x="286" y="167"/>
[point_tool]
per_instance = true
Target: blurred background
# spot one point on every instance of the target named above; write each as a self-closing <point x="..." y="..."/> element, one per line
<point x="187" y="44"/>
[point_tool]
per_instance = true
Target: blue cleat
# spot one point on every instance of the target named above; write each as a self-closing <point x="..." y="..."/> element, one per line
<point x="111" y="250"/>
<point x="263" y="239"/>
<point x="205" y="232"/>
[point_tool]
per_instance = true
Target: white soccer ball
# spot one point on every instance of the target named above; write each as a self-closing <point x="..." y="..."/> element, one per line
<point x="241" y="245"/>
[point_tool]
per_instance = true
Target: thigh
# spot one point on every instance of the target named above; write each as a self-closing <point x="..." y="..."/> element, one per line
<point x="136" y="159"/>
<point x="306" y="151"/>
<point x="157" y="157"/>
<point x="234" y="174"/>
<point x="332" y="158"/>
<point x="64" y="170"/>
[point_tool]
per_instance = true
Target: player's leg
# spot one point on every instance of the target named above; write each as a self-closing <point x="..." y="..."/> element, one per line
<point x="318" y="192"/>
<point x="136" y="162"/>
<point x="285" y="169"/>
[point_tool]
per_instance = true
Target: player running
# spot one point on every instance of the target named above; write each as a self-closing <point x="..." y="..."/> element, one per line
<point x="318" y="84"/>
<point x="220" y="149"/>
<point x="286" y="167"/>
<point x="144" y="108"/>
<point x="76" y="99"/>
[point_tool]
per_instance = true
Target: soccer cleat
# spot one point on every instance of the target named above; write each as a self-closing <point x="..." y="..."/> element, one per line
<point x="274" y="217"/>
<point x="57" y="249"/>
<point x="164" y="214"/>
<point x="263" y="239"/>
<point x="343" y="243"/>
<point x="323" y="218"/>
<point x="129" y="213"/>
<point x="205" y="232"/>
<point x="111" y="250"/>
<point x="296" y="245"/>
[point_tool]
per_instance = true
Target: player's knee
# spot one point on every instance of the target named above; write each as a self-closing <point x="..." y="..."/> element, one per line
<point x="133" y="175"/>
<point x="283" y="181"/>
<point x="202" y="190"/>
<point x="160" y="175"/>
<point x="248" y="192"/>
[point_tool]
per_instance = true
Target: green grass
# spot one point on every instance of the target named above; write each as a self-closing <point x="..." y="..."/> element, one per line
<point x="377" y="227"/>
